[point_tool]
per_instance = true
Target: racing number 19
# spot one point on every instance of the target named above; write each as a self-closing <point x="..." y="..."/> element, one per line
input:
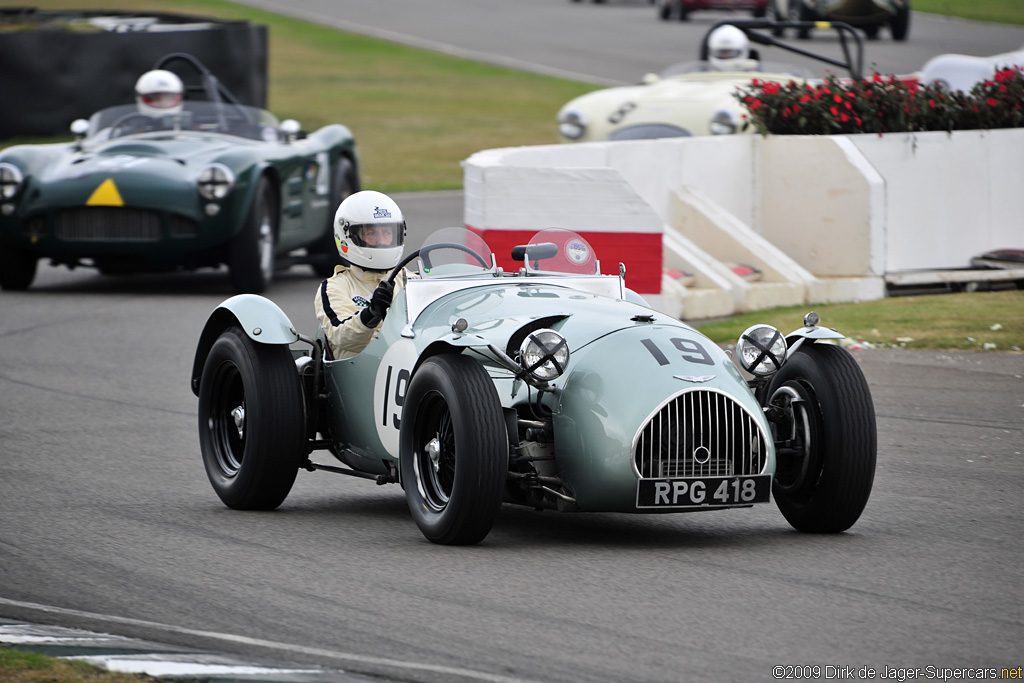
<point x="691" y="351"/>
<point x="401" y="386"/>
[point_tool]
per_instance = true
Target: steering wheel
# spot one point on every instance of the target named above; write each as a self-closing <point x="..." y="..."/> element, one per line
<point x="115" y="128"/>
<point x="425" y="253"/>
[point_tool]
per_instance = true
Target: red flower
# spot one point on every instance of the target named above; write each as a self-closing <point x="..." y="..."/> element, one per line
<point x="805" y="99"/>
<point x="931" y="103"/>
<point x="844" y="118"/>
<point x="838" y="98"/>
<point x="835" y="112"/>
<point x="992" y="102"/>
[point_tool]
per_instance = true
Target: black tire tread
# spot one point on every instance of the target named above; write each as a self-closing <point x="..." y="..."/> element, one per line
<point x="471" y="396"/>
<point x="275" y="424"/>
<point x="848" y="441"/>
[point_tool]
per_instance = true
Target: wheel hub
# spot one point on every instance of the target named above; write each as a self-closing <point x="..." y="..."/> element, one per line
<point x="433" y="449"/>
<point x="238" y="415"/>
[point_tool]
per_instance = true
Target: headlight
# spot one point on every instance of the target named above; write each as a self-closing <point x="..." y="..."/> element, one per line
<point x="761" y="350"/>
<point x="724" y="122"/>
<point x="572" y="124"/>
<point x="544" y="354"/>
<point x="10" y="180"/>
<point x="216" y="181"/>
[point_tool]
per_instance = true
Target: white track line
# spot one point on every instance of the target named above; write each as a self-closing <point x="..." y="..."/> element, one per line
<point x="284" y="648"/>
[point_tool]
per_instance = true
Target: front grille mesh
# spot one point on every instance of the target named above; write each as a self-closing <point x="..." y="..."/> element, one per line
<point x="701" y="433"/>
<point x="107" y="224"/>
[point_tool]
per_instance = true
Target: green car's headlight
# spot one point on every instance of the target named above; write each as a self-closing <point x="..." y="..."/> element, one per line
<point x="761" y="350"/>
<point x="544" y="354"/>
<point x="724" y="122"/>
<point x="572" y="124"/>
<point x="10" y="180"/>
<point x="215" y="181"/>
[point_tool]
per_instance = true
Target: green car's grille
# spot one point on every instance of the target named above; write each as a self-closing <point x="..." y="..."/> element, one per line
<point x="107" y="224"/>
<point x="700" y="433"/>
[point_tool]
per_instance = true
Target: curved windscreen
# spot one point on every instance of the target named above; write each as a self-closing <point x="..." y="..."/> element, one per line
<point x="557" y="250"/>
<point x="205" y="117"/>
<point x="454" y="251"/>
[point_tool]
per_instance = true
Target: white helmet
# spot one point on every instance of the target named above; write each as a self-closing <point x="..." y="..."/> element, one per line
<point x="369" y="230"/>
<point x="158" y="92"/>
<point x="727" y="46"/>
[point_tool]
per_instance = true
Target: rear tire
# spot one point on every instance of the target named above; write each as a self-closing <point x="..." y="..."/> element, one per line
<point x="17" y="268"/>
<point x="454" y="450"/>
<point x="900" y="24"/>
<point x="251" y="254"/>
<point x="824" y="480"/>
<point x="251" y="421"/>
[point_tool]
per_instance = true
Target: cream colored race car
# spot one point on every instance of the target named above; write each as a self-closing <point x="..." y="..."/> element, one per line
<point x="692" y="98"/>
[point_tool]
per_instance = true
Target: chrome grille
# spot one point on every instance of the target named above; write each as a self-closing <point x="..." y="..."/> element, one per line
<point x="700" y="433"/>
<point x="107" y="224"/>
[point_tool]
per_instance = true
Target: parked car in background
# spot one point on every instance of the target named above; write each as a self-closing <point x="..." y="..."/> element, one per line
<point x="680" y="9"/>
<point x="691" y="98"/>
<point x="868" y="15"/>
<point x="215" y="183"/>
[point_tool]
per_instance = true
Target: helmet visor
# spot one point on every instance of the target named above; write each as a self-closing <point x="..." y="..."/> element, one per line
<point x="162" y="100"/>
<point x="378" y="235"/>
<point x="726" y="53"/>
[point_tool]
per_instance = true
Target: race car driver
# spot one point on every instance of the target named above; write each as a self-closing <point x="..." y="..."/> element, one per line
<point x="369" y="230"/>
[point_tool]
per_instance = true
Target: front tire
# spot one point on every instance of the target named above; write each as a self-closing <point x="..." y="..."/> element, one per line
<point x="251" y="421"/>
<point x="798" y="11"/>
<point x="251" y="255"/>
<point x="17" y="268"/>
<point x="825" y="421"/>
<point x="454" y="450"/>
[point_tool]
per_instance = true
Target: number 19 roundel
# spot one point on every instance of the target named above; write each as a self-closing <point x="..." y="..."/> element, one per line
<point x="389" y="391"/>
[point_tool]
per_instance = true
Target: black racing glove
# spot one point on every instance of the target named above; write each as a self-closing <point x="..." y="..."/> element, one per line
<point x="379" y="304"/>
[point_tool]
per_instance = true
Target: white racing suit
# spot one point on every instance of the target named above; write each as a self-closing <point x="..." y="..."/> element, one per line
<point x="338" y="302"/>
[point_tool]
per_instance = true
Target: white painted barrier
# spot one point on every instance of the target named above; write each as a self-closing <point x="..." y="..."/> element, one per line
<point x="826" y="218"/>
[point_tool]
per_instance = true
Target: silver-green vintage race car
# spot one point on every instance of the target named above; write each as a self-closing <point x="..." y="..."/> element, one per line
<point x="553" y="387"/>
<point x="216" y="183"/>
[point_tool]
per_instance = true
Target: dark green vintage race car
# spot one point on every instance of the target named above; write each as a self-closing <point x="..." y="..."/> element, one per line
<point x="216" y="183"/>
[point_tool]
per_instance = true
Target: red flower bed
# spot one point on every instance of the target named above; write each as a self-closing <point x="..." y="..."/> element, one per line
<point x="882" y="104"/>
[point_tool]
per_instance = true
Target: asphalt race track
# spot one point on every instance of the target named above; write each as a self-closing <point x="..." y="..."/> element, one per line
<point x="106" y="515"/>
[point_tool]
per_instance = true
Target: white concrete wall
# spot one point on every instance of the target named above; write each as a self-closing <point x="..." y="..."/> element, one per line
<point x="850" y="208"/>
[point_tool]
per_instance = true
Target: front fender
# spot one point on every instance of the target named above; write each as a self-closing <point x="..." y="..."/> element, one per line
<point x="260" y="318"/>
<point x="797" y="337"/>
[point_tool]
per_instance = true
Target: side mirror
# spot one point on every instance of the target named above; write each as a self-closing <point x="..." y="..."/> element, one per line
<point x="291" y="129"/>
<point x="79" y="127"/>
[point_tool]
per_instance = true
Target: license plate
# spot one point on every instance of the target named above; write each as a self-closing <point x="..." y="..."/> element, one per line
<point x="703" y="492"/>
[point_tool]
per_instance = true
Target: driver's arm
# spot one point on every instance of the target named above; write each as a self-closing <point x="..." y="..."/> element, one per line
<point x="339" y="315"/>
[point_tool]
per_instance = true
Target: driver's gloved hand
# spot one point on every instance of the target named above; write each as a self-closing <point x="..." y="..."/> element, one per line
<point x="379" y="304"/>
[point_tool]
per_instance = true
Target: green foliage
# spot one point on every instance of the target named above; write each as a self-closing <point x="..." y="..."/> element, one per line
<point x="883" y="105"/>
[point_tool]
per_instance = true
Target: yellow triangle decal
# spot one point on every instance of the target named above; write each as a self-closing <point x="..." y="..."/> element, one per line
<point x="106" y="195"/>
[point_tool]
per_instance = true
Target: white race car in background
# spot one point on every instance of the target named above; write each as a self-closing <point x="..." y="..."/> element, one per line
<point x="691" y="98"/>
<point x="962" y="72"/>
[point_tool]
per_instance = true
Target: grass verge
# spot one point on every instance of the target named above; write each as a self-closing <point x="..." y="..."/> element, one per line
<point x="416" y="114"/>
<point x="21" y="666"/>
<point x="973" y="321"/>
